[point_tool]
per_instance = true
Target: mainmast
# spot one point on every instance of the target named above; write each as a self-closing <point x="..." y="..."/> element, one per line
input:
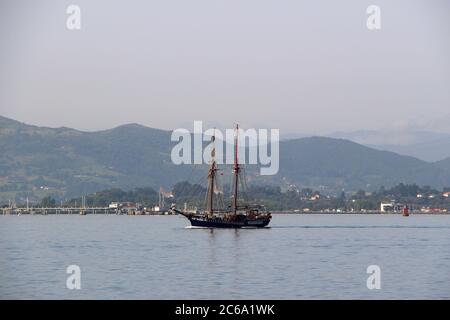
<point x="211" y="180"/>
<point x="235" y="170"/>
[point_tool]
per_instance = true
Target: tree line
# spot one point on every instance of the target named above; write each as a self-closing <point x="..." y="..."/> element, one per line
<point x="273" y="197"/>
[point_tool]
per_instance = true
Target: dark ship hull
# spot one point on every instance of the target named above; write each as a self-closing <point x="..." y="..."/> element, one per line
<point x="237" y="221"/>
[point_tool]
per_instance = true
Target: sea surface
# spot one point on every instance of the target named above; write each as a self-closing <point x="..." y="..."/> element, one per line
<point x="158" y="257"/>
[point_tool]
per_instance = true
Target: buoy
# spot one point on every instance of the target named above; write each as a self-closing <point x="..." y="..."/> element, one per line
<point x="405" y="211"/>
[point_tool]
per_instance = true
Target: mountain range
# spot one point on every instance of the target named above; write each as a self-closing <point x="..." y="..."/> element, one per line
<point x="64" y="162"/>
<point x="425" y="145"/>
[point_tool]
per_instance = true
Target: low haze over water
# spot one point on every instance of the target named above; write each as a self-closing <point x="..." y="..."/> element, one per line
<point x="159" y="257"/>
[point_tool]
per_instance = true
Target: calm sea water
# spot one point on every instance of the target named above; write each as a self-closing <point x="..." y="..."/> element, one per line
<point x="157" y="257"/>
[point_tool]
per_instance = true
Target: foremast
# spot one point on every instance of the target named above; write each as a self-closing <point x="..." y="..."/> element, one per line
<point x="211" y="180"/>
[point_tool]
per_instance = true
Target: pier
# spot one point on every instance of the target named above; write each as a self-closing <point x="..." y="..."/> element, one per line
<point x="79" y="211"/>
<point x="61" y="210"/>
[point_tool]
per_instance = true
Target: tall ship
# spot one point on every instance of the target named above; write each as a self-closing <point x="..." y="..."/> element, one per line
<point x="237" y="215"/>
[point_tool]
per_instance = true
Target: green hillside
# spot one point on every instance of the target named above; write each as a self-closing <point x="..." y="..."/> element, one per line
<point x="444" y="164"/>
<point x="63" y="162"/>
<point x="340" y="163"/>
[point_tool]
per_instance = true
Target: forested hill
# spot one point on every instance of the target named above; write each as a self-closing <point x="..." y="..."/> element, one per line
<point x="38" y="161"/>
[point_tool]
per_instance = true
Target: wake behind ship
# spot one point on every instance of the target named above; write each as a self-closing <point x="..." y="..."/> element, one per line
<point x="235" y="216"/>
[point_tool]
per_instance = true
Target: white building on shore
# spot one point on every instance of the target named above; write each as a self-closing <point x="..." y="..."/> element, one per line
<point x="391" y="207"/>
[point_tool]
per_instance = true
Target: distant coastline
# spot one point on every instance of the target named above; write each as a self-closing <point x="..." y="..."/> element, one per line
<point x="359" y="213"/>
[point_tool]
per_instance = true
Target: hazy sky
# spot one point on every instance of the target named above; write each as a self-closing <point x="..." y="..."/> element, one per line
<point x="302" y="66"/>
